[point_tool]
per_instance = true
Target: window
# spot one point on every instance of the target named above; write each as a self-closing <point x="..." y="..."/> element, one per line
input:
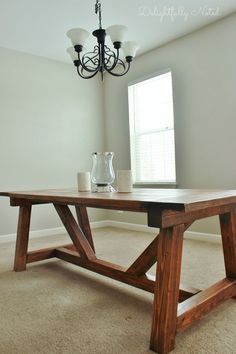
<point x="151" y="118"/>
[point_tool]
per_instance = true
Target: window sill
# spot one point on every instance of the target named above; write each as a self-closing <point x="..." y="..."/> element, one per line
<point x="155" y="185"/>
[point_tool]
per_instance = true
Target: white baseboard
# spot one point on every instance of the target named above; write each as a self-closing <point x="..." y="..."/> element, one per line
<point x="50" y="232"/>
<point x="34" y="234"/>
<point x="199" y="236"/>
<point x="191" y="235"/>
<point x="99" y="224"/>
<point x="130" y="226"/>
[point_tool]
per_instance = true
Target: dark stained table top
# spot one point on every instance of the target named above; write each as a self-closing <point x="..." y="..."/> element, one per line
<point x="138" y="200"/>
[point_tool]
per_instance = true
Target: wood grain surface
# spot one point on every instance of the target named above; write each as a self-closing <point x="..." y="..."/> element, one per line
<point x="138" y="200"/>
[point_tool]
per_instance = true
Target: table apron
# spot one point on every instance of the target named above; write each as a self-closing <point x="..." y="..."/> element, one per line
<point x="116" y="205"/>
<point x="168" y="218"/>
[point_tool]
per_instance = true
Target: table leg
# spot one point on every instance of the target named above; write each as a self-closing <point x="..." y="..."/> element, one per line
<point x="228" y="232"/>
<point x="22" y="238"/>
<point x="76" y="234"/>
<point x="169" y="255"/>
<point x="82" y="216"/>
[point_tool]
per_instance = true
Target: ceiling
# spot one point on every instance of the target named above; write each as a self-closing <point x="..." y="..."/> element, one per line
<point x="39" y="26"/>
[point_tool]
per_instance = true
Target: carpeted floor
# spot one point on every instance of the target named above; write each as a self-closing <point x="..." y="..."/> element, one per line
<point x="58" y="308"/>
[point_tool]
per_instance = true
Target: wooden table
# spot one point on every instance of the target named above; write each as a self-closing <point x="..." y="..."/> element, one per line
<point x="175" y="306"/>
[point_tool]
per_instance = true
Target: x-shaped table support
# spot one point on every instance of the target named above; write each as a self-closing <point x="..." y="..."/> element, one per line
<point x="175" y="306"/>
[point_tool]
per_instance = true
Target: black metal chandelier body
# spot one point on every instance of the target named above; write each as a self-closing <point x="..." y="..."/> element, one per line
<point x="102" y="58"/>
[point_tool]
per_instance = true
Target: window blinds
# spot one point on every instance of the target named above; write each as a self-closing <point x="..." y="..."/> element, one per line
<point x="152" y="130"/>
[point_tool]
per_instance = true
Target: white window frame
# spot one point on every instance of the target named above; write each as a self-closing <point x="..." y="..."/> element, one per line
<point x="132" y="134"/>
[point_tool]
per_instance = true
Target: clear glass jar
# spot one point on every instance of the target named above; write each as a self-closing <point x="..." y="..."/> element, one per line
<point x="102" y="175"/>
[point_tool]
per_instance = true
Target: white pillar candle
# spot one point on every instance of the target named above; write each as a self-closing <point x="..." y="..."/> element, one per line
<point x="124" y="181"/>
<point x="84" y="181"/>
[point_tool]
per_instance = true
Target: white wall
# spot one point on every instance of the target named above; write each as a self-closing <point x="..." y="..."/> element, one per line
<point x="204" y="77"/>
<point x="50" y="123"/>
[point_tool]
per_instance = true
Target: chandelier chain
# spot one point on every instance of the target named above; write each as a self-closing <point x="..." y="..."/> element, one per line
<point x="98" y="9"/>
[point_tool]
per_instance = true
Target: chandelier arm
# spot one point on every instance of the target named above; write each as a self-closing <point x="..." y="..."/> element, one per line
<point x="108" y="60"/>
<point x="107" y="50"/>
<point x="121" y="63"/>
<point x="86" y="66"/>
<point x="82" y="62"/>
<point x="80" y="73"/>
<point x="124" y="72"/>
<point x="116" y="59"/>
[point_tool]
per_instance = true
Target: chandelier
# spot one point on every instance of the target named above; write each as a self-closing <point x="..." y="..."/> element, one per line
<point x="102" y="58"/>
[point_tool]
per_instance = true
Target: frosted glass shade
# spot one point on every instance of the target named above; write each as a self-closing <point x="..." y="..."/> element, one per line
<point x="77" y="36"/>
<point x="71" y="51"/>
<point x="117" y="33"/>
<point x="130" y="48"/>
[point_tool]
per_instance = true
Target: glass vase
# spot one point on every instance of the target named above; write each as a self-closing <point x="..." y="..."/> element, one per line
<point x="102" y="175"/>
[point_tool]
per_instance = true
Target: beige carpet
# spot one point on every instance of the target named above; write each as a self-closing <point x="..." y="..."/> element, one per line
<point x="58" y="308"/>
